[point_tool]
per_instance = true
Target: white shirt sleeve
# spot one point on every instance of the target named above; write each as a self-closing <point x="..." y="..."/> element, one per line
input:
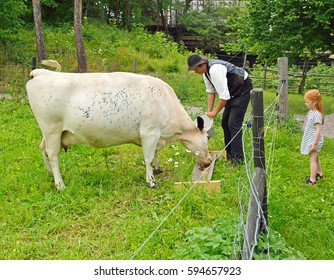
<point x="218" y="78"/>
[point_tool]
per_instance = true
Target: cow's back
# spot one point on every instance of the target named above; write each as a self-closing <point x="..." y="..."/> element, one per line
<point x="108" y="108"/>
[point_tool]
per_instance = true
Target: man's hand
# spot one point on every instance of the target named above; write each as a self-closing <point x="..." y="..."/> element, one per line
<point x="211" y="114"/>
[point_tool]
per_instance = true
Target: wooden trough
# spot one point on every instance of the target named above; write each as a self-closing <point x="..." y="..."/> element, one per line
<point x="202" y="178"/>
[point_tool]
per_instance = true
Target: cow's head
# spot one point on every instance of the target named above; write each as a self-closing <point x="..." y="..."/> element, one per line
<point x="197" y="142"/>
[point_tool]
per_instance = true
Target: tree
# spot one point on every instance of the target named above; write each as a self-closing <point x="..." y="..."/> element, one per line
<point x="293" y="28"/>
<point x="187" y="6"/>
<point x="127" y="14"/>
<point x="41" y="53"/>
<point x="57" y="11"/>
<point x="209" y="24"/>
<point x="10" y="21"/>
<point x="81" y="54"/>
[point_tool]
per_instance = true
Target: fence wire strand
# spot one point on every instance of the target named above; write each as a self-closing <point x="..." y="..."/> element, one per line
<point x="245" y="185"/>
<point x="181" y="200"/>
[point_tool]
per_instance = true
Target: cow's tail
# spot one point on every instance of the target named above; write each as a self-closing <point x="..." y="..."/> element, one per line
<point x="52" y="63"/>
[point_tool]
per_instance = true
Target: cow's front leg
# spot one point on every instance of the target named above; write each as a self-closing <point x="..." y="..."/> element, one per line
<point x="156" y="167"/>
<point x="149" y="143"/>
<point x="149" y="170"/>
<point x="149" y="176"/>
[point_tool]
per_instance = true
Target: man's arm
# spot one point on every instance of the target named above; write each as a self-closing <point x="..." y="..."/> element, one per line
<point x="211" y="100"/>
<point x="221" y="104"/>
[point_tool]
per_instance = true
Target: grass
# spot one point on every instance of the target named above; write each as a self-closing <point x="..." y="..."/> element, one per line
<point x="302" y="214"/>
<point x="107" y="211"/>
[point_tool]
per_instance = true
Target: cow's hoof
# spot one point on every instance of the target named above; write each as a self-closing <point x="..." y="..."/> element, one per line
<point x="157" y="171"/>
<point x="154" y="185"/>
<point x="60" y="188"/>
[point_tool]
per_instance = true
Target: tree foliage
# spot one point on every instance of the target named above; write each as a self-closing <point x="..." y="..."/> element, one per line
<point x="210" y="24"/>
<point x="10" y="22"/>
<point x="295" y="28"/>
<point x="265" y="28"/>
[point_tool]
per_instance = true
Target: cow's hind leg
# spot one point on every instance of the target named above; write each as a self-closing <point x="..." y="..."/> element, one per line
<point x="52" y="149"/>
<point x="45" y="157"/>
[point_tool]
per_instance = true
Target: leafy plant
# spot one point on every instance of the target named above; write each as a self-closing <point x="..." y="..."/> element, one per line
<point x="219" y="243"/>
<point x="208" y="243"/>
<point x="274" y="247"/>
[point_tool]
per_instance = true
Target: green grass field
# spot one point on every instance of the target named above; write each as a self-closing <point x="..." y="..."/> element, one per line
<point x="107" y="210"/>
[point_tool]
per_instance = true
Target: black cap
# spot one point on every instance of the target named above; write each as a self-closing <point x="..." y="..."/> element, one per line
<point x="193" y="61"/>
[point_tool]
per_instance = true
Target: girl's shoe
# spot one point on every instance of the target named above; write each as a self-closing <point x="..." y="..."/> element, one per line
<point x="319" y="176"/>
<point x="309" y="182"/>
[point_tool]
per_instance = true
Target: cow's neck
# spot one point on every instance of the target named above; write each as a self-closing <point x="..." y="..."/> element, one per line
<point x="187" y="136"/>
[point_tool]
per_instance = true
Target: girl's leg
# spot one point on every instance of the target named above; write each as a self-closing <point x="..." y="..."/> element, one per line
<point x="319" y="171"/>
<point x="313" y="165"/>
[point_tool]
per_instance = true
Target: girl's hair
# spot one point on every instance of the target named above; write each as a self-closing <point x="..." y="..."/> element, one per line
<point x="314" y="96"/>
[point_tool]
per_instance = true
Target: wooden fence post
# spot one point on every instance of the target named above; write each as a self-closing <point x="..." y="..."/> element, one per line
<point x="134" y="66"/>
<point x="282" y="63"/>
<point x="244" y="64"/>
<point x="265" y="76"/>
<point x="257" y="217"/>
<point x="33" y="63"/>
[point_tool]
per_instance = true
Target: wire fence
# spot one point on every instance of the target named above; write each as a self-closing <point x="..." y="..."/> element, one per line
<point x="13" y="78"/>
<point x="268" y="80"/>
<point x="19" y="74"/>
<point x="246" y="187"/>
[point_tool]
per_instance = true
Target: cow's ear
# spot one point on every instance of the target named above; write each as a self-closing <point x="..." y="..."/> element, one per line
<point x="200" y="123"/>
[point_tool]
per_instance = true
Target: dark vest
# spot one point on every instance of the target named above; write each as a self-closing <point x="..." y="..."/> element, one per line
<point x="235" y="75"/>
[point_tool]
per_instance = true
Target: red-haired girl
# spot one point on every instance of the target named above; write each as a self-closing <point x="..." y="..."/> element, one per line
<point x="313" y="139"/>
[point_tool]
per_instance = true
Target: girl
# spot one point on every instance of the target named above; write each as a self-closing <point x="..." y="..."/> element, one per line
<point x="313" y="139"/>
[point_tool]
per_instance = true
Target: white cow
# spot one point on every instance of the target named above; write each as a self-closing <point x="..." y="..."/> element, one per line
<point x="109" y="109"/>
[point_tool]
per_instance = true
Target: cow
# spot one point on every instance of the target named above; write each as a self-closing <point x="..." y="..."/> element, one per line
<point x="110" y="109"/>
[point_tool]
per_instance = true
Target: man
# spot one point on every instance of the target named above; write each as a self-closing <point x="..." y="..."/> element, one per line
<point x="232" y="85"/>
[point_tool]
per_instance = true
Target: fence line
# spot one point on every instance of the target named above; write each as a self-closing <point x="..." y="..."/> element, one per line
<point x="13" y="72"/>
<point x="294" y="82"/>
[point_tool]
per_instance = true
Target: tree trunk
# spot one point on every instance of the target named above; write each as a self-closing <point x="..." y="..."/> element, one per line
<point x="187" y="6"/>
<point x="303" y="80"/>
<point x="41" y="53"/>
<point x="162" y="16"/>
<point x="81" y="54"/>
<point x="117" y="12"/>
<point x="127" y="14"/>
<point x="86" y="8"/>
